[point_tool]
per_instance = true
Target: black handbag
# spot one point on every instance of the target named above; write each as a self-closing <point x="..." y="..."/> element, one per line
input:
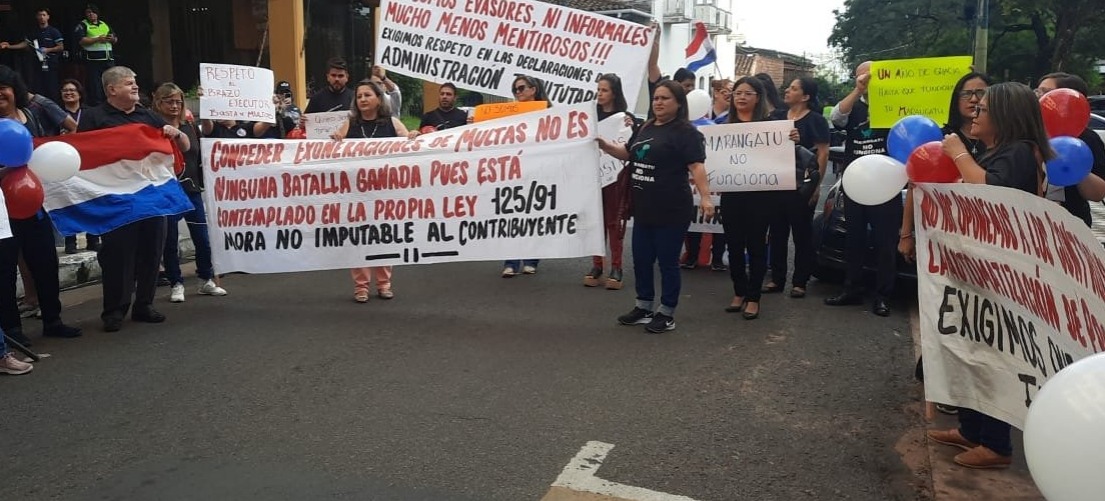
<point x="806" y="170"/>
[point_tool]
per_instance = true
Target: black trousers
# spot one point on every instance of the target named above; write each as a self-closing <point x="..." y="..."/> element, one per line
<point x="795" y="217"/>
<point x="694" y="245"/>
<point x="745" y="218"/>
<point x="884" y="220"/>
<point x="93" y="85"/>
<point x="129" y="258"/>
<point x="35" y="239"/>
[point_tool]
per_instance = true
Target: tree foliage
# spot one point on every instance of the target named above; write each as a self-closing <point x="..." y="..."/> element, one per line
<point x="1027" y="38"/>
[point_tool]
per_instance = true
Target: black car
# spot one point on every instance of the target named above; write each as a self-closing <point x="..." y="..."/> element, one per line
<point x="828" y="242"/>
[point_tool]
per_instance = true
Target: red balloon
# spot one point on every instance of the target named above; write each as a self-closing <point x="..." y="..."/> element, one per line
<point x="296" y="133"/>
<point x="1066" y="112"/>
<point x="22" y="192"/>
<point x="929" y="164"/>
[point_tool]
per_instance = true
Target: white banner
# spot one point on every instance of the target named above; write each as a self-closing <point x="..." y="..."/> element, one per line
<point x="321" y="125"/>
<point x="1011" y="290"/>
<point x="700" y="223"/>
<point x="481" y="45"/>
<point x="752" y="156"/>
<point x="518" y="187"/>
<point x="5" y="223"/>
<point x="232" y="92"/>
<point x="615" y="130"/>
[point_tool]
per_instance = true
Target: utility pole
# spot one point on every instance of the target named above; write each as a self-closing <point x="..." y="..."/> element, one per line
<point x="982" y="31"/>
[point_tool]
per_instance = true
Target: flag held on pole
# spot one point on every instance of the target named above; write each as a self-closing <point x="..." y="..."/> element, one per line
<point x="700" y="52"/>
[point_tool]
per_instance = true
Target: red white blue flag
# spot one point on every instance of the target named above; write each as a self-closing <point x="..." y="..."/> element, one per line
<point x="700" y="52"/>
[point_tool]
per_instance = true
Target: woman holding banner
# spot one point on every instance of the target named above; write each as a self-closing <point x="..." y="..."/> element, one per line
<point x="661" y="153"/>
<point x="525" y="88"/>
<point x="611" y="102"/>
<point x="1008" y="122"/>
<point x="371" y="117"/>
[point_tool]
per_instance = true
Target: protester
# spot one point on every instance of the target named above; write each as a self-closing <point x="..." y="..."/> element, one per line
<point x="851" y="114"/>
<point x="336" y="96"/>
<point x="53" y="119"/>
<point x="745" y="215"/>
<point x="796" y="210"/>
<point x="49" y="44"/>
<point x="72" y="101"/>
<point x="97" y="42"/>
<point x="393" y="93"/>
<point x="694" y="239"/>
<point x="446" y="115"/>
<point x="685" y="78"/>
<point x="1076" y="198"/>
<point x="372" y="118"/>
<point x="1008" y="122"/>
<point x="9" y="364"/>
<point x="525" y="89"/>
<point x="32" y="237"/>
<point x="287" y="113"/>
<point x="721" y="91"/>
<point x="130" y="255"/>
<point x="662" y="152"/>
<point x="168" y="102"/>
<point x="775" y="103"/>
<point x="611" y="102"/>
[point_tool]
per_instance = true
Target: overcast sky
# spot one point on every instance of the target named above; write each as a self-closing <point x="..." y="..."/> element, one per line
<point x="793" y="26"/>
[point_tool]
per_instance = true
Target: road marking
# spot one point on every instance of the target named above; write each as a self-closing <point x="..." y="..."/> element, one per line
<point x="579" y="476"/>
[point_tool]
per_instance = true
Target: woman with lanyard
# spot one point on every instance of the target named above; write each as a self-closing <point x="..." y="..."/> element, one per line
<point x="371" y="118"/>
<point x="611" y="102"/>
<point x="525" y="88"/>
<point x="168" y="101"/>
<point x="746" y="215"/>
<point x="661" y="153"/>
<point x="72" y="101"/>
<point x="33" y="237"/>
<point x="1076" y="198"/>
<point x="1008" y="122"/>
<point x="796" y="211"/>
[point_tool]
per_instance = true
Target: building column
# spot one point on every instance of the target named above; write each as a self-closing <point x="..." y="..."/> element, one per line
<point x="286" y="49"/>
<point x="161" y="41"/>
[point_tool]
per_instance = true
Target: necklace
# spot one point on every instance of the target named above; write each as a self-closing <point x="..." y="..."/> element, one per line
<point x="374" y="127"/>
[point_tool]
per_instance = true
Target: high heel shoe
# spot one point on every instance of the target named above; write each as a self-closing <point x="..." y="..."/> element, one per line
<point x="749" y="315"/>
<point x="735" y="308"/>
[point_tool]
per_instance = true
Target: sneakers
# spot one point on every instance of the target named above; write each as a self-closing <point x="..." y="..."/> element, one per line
<point x="660" y="323"/>
<point x="718" y="267"/>
<point x="208" y="288"/>
<point x="360" y="296"/>
<point x="176" y="295"/>
<point x="636" y="316"/>
<point x="385" y="294"/>
<point x="614" y="280"/>
<point x="951" y="437"/>
<point x="509" y="272"/>
<point x="28" y="310"/>
<point x="10" y="365"/>
<point x="982" y="457"/>
<point x="529" y="270"/>
<point x="592" y="277"/>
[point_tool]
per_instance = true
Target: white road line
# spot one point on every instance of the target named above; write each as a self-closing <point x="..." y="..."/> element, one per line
<point x="579" y="475"/>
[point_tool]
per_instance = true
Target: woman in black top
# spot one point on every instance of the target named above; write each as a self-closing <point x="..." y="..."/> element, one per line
<point x="611" y="101"/>
<point x="1076" y="198"/>
<point x="1008" y="122"/>
<point x="525" y="88"/>
<point x="33" y="236"/>
<point x="371" y="118"/>
<point x="661" y="153"/>
<point x="796" y="214"/>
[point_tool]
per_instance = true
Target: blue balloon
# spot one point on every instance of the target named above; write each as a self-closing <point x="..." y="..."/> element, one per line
<point x="1072" y="163"/>
<point x="15" y="143"/>
<point x="909" y="133"/>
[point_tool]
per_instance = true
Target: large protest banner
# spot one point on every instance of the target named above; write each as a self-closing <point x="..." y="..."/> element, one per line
<point x="753" y="156"/>
<point x="1011" y="290"/>
<point x="232" y="92"/>
<point x="522" y="186"/>
<point x="615" y="130"/>
<point x="481" y="45"/>
<point x="904" y="87"/>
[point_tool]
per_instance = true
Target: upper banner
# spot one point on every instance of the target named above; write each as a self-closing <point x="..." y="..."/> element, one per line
<point x="1011" y="290"/>
<point x="519" y="187"/>
<point x="904" y="87"/>
<point x="232" y="92"/>
<point x="482" y="44"/>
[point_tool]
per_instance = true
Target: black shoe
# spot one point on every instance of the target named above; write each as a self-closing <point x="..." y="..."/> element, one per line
<point x="148" y="315"/>
<point x="636" y="316"/>
<point x="719" y="267"/>
<point x="689" y="265"/>
<point x="93" y="246"/>
<point x="844" y="299"/>
<point x="113" y="324"/>
<point x="71" y="248"/>
<point x="881" y="308"/>
<point x="660" y="323"/>
<point x="748" y="315"/>
<point x="17" y="336"/>
<point x="163" y="281"/>
<point x="61" y="330"/>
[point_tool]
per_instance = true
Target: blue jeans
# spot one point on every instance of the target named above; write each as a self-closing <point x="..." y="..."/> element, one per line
<point x="518" y="263"/>
<point x="657" y="244"/>
<point x="985" y="430"/>
<point x="197" y="227"/>
<point x="3" y="344"/>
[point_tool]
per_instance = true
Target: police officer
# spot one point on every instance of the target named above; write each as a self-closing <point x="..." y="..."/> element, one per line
<point x="96" y="40"/>
<point x="853" y="116"/>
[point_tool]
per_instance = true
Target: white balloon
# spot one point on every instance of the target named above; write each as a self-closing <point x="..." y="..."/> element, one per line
<point x="1064" y="433"/>
<point x="874" y="179"/>
<point x="55" y="161"/>
<point x="698" y="104"/>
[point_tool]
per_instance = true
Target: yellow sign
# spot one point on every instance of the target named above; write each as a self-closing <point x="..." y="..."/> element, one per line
<point x="492" y="111"/>
<point x="904" y="87"/>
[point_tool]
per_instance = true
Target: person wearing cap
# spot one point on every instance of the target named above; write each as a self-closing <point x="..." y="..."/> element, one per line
<point x="287" y="113"/>
<point x="336" y="96"/>
<point x="446" y="115"/>
<point x="96" y="40"/>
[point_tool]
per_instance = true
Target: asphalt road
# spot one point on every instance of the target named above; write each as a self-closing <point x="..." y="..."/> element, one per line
<point x="465" y="387"/>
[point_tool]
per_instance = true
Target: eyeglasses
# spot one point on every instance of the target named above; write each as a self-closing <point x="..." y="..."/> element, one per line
<point x="172" y="102"/>
<point x="980" y="110"/>
<point x="745" y="93"/>
<point x="966" y="95"/>
<point x="1041" y="91"/>
<point x="520" y="89"/>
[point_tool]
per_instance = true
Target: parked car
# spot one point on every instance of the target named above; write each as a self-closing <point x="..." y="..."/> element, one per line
<point x="829" y="242"/>
<point x="1097" y="104"/>
<point x="1097" y="123"/>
